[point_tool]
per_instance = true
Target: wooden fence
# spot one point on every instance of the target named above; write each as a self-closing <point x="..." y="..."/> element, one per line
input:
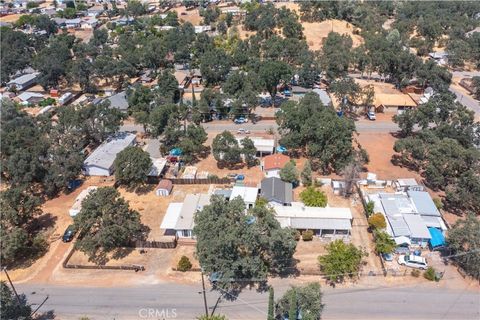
<point x="157" y="244"/>
<point x="132" y="267"/>
<point x="202" y="181"/>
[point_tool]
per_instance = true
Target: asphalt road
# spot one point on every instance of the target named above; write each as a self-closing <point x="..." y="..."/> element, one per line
<point x="172" y="301"/>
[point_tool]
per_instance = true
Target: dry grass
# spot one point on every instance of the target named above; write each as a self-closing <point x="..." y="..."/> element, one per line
<point x="11" y="18"/>
<point x="315" y="32"/>
<point x="192" y="16"/>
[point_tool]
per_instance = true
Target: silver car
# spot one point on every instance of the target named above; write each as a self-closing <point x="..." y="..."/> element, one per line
<point x="413" y="261"/>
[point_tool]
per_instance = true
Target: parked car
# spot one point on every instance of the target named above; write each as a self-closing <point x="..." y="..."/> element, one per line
<point x="68" y="234"/>
<point x="371" y="115"/>
<point x="232" y="175"/>
<point x="243" y="131"/>
<point x="413" y="261"/>
<point x="240" y="177"/>
<point x="240" y="120"/>
<point x="172" y="159"/>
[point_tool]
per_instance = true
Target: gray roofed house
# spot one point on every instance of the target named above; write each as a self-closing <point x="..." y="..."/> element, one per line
<point x="276" y="191"/>
<point x="30" y="97"/>
<point x="418" y="228"/>
<point x="191" y="205"/>
<point x="23" y="82"/>
<point x="100" y="161"/>
<point x="324" y="97"/>
<point x="396" y="204"/>
<point x="424" y="203"/>
<point x="119" y="101"/>
<point x="399" y="226"/>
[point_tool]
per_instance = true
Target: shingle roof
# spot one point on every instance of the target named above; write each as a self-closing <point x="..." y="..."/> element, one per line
<point x="274" y="189"/>
<point x="275" y="161"/>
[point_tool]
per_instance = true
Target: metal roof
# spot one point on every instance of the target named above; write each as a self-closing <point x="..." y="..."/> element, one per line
<point x="105" y="154"/>
<point x="248" y="194"/>
<point x="171" y="216"/>
<point x="417" y="226"/>
<point x="24" y="79"/>
<point x="424" y="203"/>
<point x="191" y="204"/>
<point x="324" y="97"/>
<point x="396" y="204"/>
<point x="119" y="101"/>
<point x="319" y="223"/>
<point x="299" y="210"/>
<point x="399" y="226"/>
<point x="157" y="167"/>
<point x="274" y="189"/>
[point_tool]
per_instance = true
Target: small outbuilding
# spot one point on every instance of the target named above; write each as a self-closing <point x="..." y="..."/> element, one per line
<point x="164" y="188"/>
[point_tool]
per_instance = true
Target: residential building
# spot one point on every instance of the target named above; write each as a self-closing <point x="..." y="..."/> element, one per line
<point x="264" y="146"/>
<point x="73" y="23"/>
<point x="272" y="164"/>
<point x="26" y="98"/>
<point x="158" y="166"/>
<point x="100" y="161"/>
<point x="324" y="222"/>
<point x="393" y="102"/>
<point x="276" y="191"/>
<point x="323" y="95"/>
<point x="247" y="194"/>
<point x="23" y="82"/>
<point x="180" y="217"/>
<point x="119" y="101"/>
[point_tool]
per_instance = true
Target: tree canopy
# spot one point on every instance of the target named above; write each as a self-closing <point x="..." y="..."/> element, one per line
<point x="241" y="248"/>
<point x="132" y="166"/>
<point x="302" y="300"/>
<point x="341" y="261"/>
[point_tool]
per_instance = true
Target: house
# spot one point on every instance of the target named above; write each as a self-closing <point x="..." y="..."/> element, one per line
<point x="393" y="102"/>
<point x="26" y="98"/>
<point x="164" y="188"/>
<point x="73" y="23"/>
<point x="65" y="98"/>
<point x="23" y="82"/>
<point x="119" y="101"/>
<point x="409" y="216"/>
<point x="247" y="194"/>
<point x="440" y="57"/>
<point x="276" y="191"/>
<point x="264" y="146"/>
<point x="324" y="222"/>
<point x="77" y="205"/>
<point x="100" y="161"/>
<point x="152" y="146"/>
<point x="324" y="97"/>
<point x="180" y="217"/>
<point x="123" y="21"/>
<point x="200" y="29"/>
<point x="272" y="164"/>
<point x="89" y="23"/>
<point x="158" y="166"/>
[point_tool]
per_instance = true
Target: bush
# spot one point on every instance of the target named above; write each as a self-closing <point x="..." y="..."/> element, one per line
<point x="415" y="273"/>
<point x="313" y="198"/>
<point x="184" y="264"/>
<point x="438" y="203"/>
<point x="369" y="208"/>
<point x="307" y="235"/>
<point x="298" y="235"/>
<point x="377" y="221"/>
<point x="430" y="274"/>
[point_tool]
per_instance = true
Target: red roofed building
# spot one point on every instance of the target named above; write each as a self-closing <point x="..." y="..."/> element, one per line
<point x="272" y="164"/>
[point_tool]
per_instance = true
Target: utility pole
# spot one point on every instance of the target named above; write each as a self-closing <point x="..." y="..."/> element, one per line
<point x="204" y="296"/>
<point x="11" y="284"/>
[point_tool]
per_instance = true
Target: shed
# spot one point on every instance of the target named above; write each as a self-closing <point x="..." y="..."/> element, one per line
<point x="164" y="188"/>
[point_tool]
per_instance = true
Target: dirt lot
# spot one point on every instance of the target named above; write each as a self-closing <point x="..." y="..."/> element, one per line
<point x="315" y="32"/>
<point x="192" y="16"/>
<point x="152" y="208"/>
<point x="11" y="18"/>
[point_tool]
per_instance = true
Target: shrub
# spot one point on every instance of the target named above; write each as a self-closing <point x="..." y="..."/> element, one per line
<point x="298" y="235"/>
<point x="438" y="203"/>
<point x="377" y="221"/>
<point x="313" y="198"/>
<point x="307" y="235"/>
<point x="184" y="264"/>
<point x="369" y="208"/>
<point x="430" y="274"/>
<point x="415" y="273"/>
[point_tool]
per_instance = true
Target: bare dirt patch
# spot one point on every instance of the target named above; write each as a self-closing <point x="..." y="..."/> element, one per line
<point x="192" y="16"/>
<point x="11" y="18"/>
<point x="315" y="32"/>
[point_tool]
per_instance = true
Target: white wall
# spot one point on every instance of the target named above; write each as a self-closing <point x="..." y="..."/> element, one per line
<point x="96" y="171"/>
<point x="272" y="173"/>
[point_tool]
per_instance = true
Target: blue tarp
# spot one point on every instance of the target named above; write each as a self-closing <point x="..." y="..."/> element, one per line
<point x="438" y="239"/>
<point x="281" y="149"/>
<point x="176" y="152"/>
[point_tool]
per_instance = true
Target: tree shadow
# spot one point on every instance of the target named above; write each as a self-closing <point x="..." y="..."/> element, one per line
<point x="144" y="189"/>
<point x="42" y="222"/>
<point x="47" y="315"/>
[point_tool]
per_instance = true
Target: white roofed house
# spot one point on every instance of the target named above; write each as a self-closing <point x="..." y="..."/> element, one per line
<point x="324" y="222"/>
<point x="180" y="217"/>
<point x="77" y="205"/>
<point x="264" y="146"/>
<point x="100" y="161"/>
<point x="247" y="194"/>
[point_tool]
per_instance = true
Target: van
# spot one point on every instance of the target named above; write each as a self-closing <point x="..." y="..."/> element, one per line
<point x="413" y="261"/>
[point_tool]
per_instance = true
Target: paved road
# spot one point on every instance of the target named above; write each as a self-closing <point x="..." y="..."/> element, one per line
<point x="169" y="301"/>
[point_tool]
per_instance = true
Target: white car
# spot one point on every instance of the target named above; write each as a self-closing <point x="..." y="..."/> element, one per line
<point x="243" y="131"/>
<point x="371" y="115"/>
<point x="413" y="261"/>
